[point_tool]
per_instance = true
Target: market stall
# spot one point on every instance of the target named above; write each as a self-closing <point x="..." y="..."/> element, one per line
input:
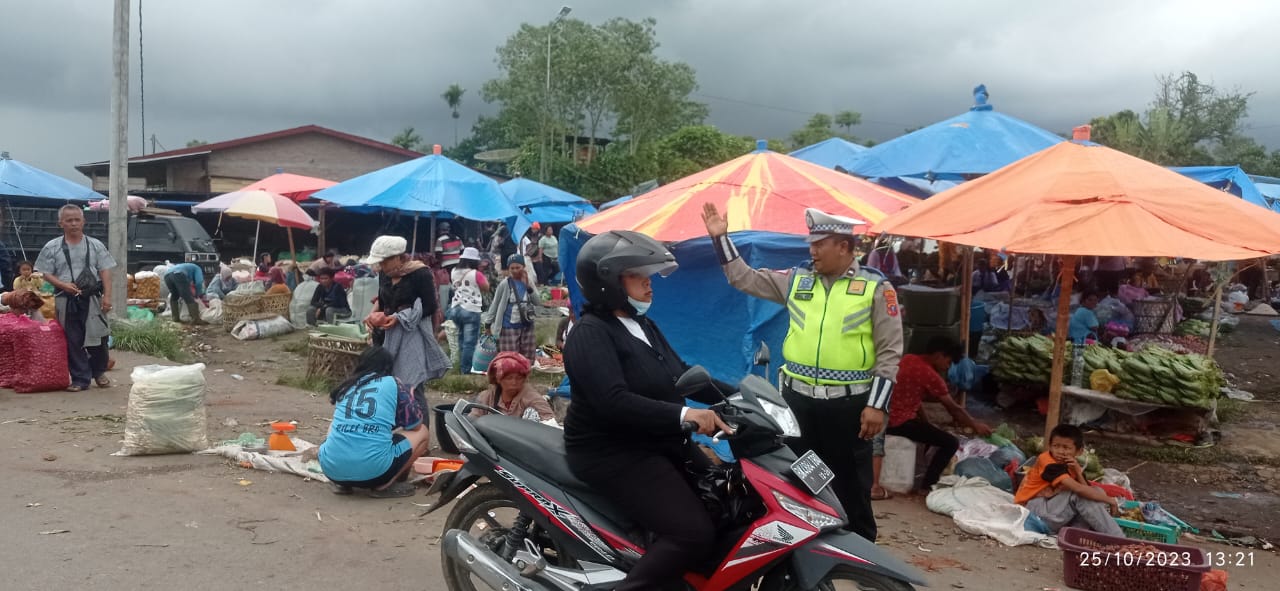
<point x="1081" y="199"/>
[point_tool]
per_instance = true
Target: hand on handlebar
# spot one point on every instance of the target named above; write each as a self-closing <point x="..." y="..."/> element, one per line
<point x="708" y="421"/>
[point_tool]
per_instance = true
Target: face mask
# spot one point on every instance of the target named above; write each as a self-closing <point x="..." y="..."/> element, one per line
<point x="641" y="307"/>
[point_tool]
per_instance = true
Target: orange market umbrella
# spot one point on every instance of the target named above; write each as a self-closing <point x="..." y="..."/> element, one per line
<point x="1084" y="199"/>
<point x="763" y="190"/>
<point x="294" y="186"/>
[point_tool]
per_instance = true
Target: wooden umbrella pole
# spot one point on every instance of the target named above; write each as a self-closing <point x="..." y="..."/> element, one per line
<point x="1217" y="316"/>
<point x="1060" y="343"/>
<point x="321" y="243"/>
<point x="1013" y="289"/>
<point x="293" y="255"/>
<point x="966" y="296"/>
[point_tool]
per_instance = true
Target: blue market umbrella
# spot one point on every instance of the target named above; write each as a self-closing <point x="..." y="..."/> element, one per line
<point x="432" y="185"/>
<point x="23" y="180"/>
<point x="543" y="204"/>
<point x="974" y="143"/>
<point x="830" y="153"/>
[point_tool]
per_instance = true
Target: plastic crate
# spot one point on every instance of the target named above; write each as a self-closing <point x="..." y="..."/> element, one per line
<point x="1150" y="531"/>
<point x="1082" y="545"/>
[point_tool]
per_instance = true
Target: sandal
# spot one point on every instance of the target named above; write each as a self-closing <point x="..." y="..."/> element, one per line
<point x="75" y="388"/>
<point x="395" y="491"/>
<point x="102" y="381"/>
<point x="340" y="489"/>
<point x="882" y="495"/>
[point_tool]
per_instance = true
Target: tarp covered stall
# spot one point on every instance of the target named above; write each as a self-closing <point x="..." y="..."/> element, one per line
<point x="829" y="153"/>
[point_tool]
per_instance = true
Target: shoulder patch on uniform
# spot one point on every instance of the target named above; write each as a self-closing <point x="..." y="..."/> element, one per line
<point x="891" y="302"/>
<point x="806" y="283"/>
<point x="857" y="287"/>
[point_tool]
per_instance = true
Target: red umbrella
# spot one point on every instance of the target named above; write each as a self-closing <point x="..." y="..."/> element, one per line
<point x="293" y="186"/>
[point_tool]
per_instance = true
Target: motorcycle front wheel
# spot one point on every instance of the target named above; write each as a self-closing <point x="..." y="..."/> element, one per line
<point x="845" y="578"/>
<point x="487" y="513"/>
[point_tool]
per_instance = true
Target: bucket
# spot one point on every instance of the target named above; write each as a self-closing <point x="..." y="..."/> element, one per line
<point x="899" y="471"/>
<point x="442" y="434"/>
<point x="559" y="293"/>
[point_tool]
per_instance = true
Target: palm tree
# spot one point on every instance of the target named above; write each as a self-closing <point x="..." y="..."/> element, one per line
<point x="848" y="119"/>
<point x="453" y="96"/>
<point x="407" y="139"/>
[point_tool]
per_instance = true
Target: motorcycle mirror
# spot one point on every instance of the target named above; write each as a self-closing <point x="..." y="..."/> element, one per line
<point x="762" y="355"/>
<point x="692" y="380"/>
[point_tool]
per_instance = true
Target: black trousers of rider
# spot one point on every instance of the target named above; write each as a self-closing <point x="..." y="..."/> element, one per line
<point x="830" y="428"/>
<point x="652" y="489"/>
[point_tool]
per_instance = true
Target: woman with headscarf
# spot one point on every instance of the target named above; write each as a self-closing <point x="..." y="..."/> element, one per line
<point x="515" y="306"/>
<point x="402" y="317"/>
<point x="221" y="285"/>
<point x="277" y="283"/>
<point x="510" y="392"/>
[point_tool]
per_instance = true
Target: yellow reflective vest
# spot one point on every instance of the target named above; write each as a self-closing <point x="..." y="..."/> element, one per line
<point x="829" y="341"/>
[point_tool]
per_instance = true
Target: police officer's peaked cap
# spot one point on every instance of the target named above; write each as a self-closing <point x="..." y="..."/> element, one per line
<point x="823" y="225"/>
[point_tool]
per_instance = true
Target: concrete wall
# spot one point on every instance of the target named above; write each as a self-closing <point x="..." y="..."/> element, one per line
<point x="311" y="154"/>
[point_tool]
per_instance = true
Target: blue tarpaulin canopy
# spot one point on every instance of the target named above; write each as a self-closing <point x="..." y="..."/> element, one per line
<point x="18" y="179"/>
<point x="618" y="201"/>
<point x="707" y="321"/>
<point x="830" y="152"/>
<point x="429" y="185"/>
<point x="977" y="142"/>
<point x="543" y="204"/>
<point x="1231" y="179"/>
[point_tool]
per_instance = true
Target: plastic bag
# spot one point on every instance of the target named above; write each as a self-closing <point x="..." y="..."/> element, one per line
<point x="40" y="350"/>
<point x="213" y="313"/>
<point x="1103" y="380"/>
<point x="977" y="467"/>
<point x="248" y="330"/>
<point x="1116" y="477"/>
<point x="975" y="448"/>
<point x="1002" y="522"/>
<point x="361" y="296"/>
<point x="301" y="302"/>
<point x="1113" y="310"/>
<point x="1214" y="580"/>
<point x="1237" y="300"/>
<point x="1006" y="454"/>
<point x="486" y="350"/>
<point x="141" y="314"/>
<point x="955" y="493"/>
<point x="166" y="411"/>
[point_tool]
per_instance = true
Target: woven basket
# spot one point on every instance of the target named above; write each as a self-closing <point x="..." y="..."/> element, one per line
<point x="277" y="304"/>
<point x="1153" y="316"/>
<point x="234" y="309"/>
<point x="332" y="357"/>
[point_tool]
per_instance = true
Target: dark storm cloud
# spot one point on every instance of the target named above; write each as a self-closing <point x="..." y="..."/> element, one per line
<point x="219" y="70"/>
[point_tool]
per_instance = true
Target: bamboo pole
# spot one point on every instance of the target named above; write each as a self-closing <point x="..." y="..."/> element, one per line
<point x="293" y="255"/>
<point x="1217" y="316"/>
<point x="1060" y="343"/>
<point x="414" y="248"/>
<point x="320" y="250"/>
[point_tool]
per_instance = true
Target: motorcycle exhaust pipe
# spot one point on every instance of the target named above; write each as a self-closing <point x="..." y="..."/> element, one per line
<point x="483" y="563"/>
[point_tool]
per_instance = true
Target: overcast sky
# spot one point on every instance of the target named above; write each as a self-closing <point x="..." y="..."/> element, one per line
<point x="230" y="68"/>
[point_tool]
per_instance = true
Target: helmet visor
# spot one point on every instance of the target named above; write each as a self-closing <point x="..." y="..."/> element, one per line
<point x="664" y="269"/>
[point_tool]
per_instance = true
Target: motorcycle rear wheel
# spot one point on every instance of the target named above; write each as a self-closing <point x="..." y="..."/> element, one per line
<point x="844" y="578"/>
<point x="485" y="512"/>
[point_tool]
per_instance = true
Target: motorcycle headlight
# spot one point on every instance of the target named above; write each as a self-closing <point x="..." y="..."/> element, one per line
<point x="783" y="417"/>
<point x="810" y="516"/>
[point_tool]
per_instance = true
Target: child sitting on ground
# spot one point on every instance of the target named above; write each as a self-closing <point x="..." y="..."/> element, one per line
<point x="1056" y="491"/>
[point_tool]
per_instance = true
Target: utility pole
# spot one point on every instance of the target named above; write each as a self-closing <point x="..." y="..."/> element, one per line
<point x="118" y="230"/>
<point x="546" y="97"/>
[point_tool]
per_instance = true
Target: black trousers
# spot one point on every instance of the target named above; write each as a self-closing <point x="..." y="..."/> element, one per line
<point x="922" y="432"/>
<point x="830" y="428"/>
<point x="83" y="363"/>
<point x="179" y="286"/>
<point x="652" y="489"/>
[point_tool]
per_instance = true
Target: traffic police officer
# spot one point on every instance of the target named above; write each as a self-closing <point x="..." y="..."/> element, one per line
<point x="841" y="351"/>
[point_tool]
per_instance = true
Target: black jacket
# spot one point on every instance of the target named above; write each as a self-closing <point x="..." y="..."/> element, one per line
<point x="624" y="396"/>
<point x="420" y="284"/>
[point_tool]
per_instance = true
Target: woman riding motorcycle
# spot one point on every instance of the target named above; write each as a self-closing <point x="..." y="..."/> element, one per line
<point x="623" y="431"/>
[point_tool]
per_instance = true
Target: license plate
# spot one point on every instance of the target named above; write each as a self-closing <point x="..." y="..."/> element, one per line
<point x="813" y="472"/>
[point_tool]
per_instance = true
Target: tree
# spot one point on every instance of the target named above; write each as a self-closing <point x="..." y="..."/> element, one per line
<point x="848" y="119"/>
<point x="453" y="97"/>
<point x="407" y="139"/>
<point x="600" y="75"/>
<point x="194" y="143"/>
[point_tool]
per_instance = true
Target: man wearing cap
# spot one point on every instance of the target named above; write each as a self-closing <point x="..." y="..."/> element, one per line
<point x="841" y="352"/>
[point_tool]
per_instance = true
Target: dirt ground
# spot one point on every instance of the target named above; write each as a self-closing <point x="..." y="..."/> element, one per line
<point x="76" y="516"/>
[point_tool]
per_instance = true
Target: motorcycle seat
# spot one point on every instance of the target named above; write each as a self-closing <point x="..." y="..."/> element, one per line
<point x="540" y="448"/>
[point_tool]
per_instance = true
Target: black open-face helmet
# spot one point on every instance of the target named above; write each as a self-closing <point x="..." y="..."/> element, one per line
<point x="605" y="258"/>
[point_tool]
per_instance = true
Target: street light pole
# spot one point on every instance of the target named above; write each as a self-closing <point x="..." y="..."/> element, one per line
<point x="546" y="98"/>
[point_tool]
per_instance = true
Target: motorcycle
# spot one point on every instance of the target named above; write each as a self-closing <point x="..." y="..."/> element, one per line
<point x="780" y="523"/>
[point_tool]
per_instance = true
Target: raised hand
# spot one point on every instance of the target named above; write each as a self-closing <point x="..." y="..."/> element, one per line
<point x="717" y="225"/>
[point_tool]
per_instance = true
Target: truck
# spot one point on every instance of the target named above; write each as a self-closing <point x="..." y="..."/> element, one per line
<point x="156" y="236"/>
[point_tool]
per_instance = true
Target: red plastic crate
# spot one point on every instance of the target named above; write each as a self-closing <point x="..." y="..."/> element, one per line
<point x="1082" y="546"/>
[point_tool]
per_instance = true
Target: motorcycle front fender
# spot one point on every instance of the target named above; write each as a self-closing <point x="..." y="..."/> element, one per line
<point x="452" y="484"/>
<point x="814" y="560"/>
